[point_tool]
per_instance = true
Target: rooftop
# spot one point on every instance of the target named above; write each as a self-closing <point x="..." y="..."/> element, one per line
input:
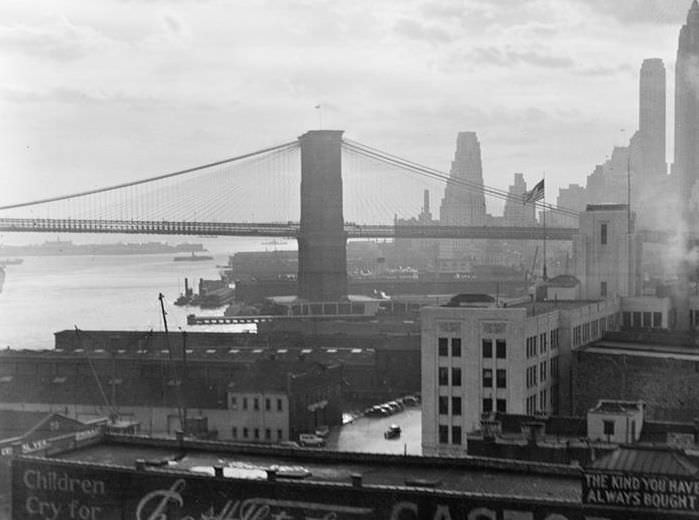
<point x="612" y="406"/>
<point x="536" y="308"/>
<point x="649" y="460"/>
<point x="467" y="475"/>
<point x="621" y="348"/>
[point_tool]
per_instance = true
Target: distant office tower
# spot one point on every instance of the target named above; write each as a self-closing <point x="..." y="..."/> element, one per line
<point x="686" y="163"/>
<point x="651" y="120"/>
<point x="462" y="204"/>
<point x="516" y="213"/>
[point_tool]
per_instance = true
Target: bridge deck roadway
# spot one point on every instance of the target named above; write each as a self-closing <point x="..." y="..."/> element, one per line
<point x="290" y="229"/>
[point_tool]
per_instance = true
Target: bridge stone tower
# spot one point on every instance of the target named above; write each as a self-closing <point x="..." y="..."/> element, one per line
<point x="322" y="274"/>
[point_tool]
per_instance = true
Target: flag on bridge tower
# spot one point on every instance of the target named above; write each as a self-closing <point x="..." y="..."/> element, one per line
<point x="536" y="193"/>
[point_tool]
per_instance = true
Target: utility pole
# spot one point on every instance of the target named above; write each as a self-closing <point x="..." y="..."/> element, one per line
<point x="172" y="367"/>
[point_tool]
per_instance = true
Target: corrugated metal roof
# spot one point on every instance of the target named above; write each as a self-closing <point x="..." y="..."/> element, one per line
<point x="639" y="459"/>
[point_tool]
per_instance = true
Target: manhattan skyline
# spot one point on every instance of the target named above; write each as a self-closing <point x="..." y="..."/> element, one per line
<point x="115" y="91"/>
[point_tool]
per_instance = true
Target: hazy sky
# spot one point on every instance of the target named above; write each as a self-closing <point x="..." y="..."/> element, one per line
<point x="97" y="92"/>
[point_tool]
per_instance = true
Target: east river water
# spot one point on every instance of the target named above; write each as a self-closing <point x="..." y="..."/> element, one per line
<point x="46" y="294"/>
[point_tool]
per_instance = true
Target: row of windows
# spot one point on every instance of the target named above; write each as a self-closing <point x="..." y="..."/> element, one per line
<point x="444" y="434"/>
<point x="256" y="403"/>
<point x="256" y="433"/>
<point x="500" y="405"/>
<point x="544" y="398"/>
<point x="542" y="341"/>
<point x="500" y="348"/>
<point x="645" y="320"/>
<point x="444" y="405"/>
<point x="546" y="368"/>
<point x="531" y="377"/>
<point x="591" y="330"/>
<point x="500" y="378"/>
<point x="444" y="376"/>
<point x="443" y="347"/>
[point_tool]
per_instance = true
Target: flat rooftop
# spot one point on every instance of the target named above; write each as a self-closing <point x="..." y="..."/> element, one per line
<point x="466" y="475"/>
<point x="652" y="350"/>
<point x="536" y="308"/>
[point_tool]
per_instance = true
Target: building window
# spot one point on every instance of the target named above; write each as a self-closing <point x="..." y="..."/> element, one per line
<point x="443" y="434"/>
<point x="487" y="348"/>
<point x="637" y="320"/>
<point x="245" y="433"/>
<point x="256" y="403"/>
<point x="603" y="234"/>
<point x="657" y="320"/>
<point x="603" y="288"/>
<point x="647" y="323"/>
<point x="487" y="405"/>
<point x="501" y="348"/>
<point x="443" y="376"/>
<point x="234" y="432"/>
<point x="626" y="320"/>
<point x="501" y="378"/>
<point x="542" y="371"/>
<point x="268" y="404"/>
<point x="487" y="378"/>
<point x="608" y="427"/>
<point x="542" y="400"/>
<point x="279" y="405"/>
<point x="268" y="434"/>
<point x="280" y="434"/>
<point x="443" y="346"/>
<point x="501" y="405"/>
<point x="455" y="377"/>
<point x="245" y="403"/>
<point x="456" y="405"/>
<point x="456" y="347"/>
<point x="443" y="405"/>
<point x="234" y="403"/>
<point x="257" y="434"/>
<point x="456" y="434"/>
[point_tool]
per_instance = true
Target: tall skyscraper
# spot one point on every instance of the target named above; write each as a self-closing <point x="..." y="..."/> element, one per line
<point x="516" y="213"/>
<point x="651" y="124"/>
<point x="686" y="165"/>
<point x="463" y="205"/>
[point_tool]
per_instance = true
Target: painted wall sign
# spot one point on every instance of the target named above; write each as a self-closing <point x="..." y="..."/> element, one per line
<point x="642" y="491"/>
<point x="53" y="490"/>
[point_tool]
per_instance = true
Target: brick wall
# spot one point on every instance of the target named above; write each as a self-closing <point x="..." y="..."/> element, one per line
<point x="667" y="386"/>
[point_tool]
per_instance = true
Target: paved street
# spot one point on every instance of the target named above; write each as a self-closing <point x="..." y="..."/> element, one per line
<point x="366" y="434"/>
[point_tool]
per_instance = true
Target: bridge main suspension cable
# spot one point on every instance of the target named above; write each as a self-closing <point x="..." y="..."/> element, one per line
<point x="426" y="171"/>
<point x="278" y="148"/>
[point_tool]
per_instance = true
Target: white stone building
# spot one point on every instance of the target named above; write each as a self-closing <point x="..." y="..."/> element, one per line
<point x="514" y="359"/>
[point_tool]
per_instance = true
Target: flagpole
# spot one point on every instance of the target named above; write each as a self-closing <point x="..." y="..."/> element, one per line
<point x="545" y="276"/>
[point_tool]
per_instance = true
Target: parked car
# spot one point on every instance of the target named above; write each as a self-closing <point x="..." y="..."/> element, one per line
<point x="393" y="406"/>
<point x="410" y="400"/>
<point x="393" y="432"/>
<point x="289" y="444"/>
<point x="385" y="410"/>
<point x="311" y="440"/>
<point x="397" y="404"/>
<point x="322" y="431"/>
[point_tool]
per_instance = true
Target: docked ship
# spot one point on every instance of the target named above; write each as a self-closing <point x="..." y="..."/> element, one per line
<point x="193" y="258"/>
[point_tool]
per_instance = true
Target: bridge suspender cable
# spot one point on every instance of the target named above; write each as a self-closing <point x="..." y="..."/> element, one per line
<point x="288" y="145"/>
<point x="396" y="161"/>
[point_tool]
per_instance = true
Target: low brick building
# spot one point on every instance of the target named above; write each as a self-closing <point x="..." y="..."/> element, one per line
<point x="660" y="369"/>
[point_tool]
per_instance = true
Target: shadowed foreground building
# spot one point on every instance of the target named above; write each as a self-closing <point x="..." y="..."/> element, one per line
<point x="114" y="477"/>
